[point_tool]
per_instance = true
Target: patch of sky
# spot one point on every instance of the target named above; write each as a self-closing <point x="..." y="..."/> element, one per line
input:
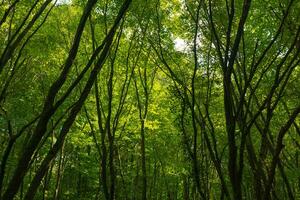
<point x="180" y="44"/>
<point x="61" y="2"/>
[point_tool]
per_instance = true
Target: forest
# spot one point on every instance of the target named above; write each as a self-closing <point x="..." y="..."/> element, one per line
<point x="149" y="99"/>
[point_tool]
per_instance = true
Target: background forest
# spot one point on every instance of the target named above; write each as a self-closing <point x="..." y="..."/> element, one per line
<point x="149" y="99"/>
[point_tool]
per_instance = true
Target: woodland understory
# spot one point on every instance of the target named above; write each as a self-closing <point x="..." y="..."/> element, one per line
<point x="149" y="99"/>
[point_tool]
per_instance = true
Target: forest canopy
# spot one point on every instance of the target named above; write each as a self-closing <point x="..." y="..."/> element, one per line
<point x="149" y="99"/>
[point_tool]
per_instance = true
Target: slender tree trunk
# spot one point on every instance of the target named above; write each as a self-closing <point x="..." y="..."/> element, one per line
<point x="186" y="190"/>
<point x="59" y="174"/>
<point x="103" y="145"/>
<point x="144" y="187"/>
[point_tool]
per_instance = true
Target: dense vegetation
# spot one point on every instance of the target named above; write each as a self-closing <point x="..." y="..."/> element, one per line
<point x="149" y="99"/>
